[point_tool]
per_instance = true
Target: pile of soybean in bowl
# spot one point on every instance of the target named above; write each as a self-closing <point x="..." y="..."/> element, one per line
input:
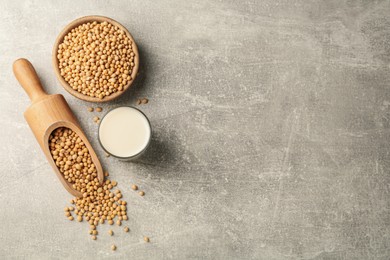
<point x="96" y="59"/>
<point x="98" y="203"/>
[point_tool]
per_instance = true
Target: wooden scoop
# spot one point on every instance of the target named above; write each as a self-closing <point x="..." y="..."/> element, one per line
<point x="47" y="113"/>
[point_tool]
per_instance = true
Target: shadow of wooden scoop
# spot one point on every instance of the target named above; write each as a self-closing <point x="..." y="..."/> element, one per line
<point x="47" y="113"/>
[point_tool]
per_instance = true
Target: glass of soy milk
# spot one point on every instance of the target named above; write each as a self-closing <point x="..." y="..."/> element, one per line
<point x="125" y="133"/>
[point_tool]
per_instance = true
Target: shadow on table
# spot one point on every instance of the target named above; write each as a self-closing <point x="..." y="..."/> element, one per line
<point x="160" y="153"/>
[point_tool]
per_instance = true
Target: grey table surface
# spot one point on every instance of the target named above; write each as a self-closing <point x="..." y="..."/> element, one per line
<point x="271" y="135"/>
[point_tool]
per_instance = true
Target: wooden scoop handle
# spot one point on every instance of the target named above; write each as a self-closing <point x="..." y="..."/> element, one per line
<point x="28" y="78"/>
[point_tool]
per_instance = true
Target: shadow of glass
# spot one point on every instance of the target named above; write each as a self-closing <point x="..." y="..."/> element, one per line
<point x="160" y="153"/>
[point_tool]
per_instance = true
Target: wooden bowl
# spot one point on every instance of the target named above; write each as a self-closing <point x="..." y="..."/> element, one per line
<point x="60" y="39"/>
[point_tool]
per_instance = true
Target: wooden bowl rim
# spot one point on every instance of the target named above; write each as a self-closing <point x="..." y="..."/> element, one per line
<point x="66" y="30"/>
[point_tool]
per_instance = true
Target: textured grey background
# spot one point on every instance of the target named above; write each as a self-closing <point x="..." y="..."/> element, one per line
<point x="272" y="130"/>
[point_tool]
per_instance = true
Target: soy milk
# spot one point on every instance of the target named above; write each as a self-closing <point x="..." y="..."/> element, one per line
<point x="124" y="132"/>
